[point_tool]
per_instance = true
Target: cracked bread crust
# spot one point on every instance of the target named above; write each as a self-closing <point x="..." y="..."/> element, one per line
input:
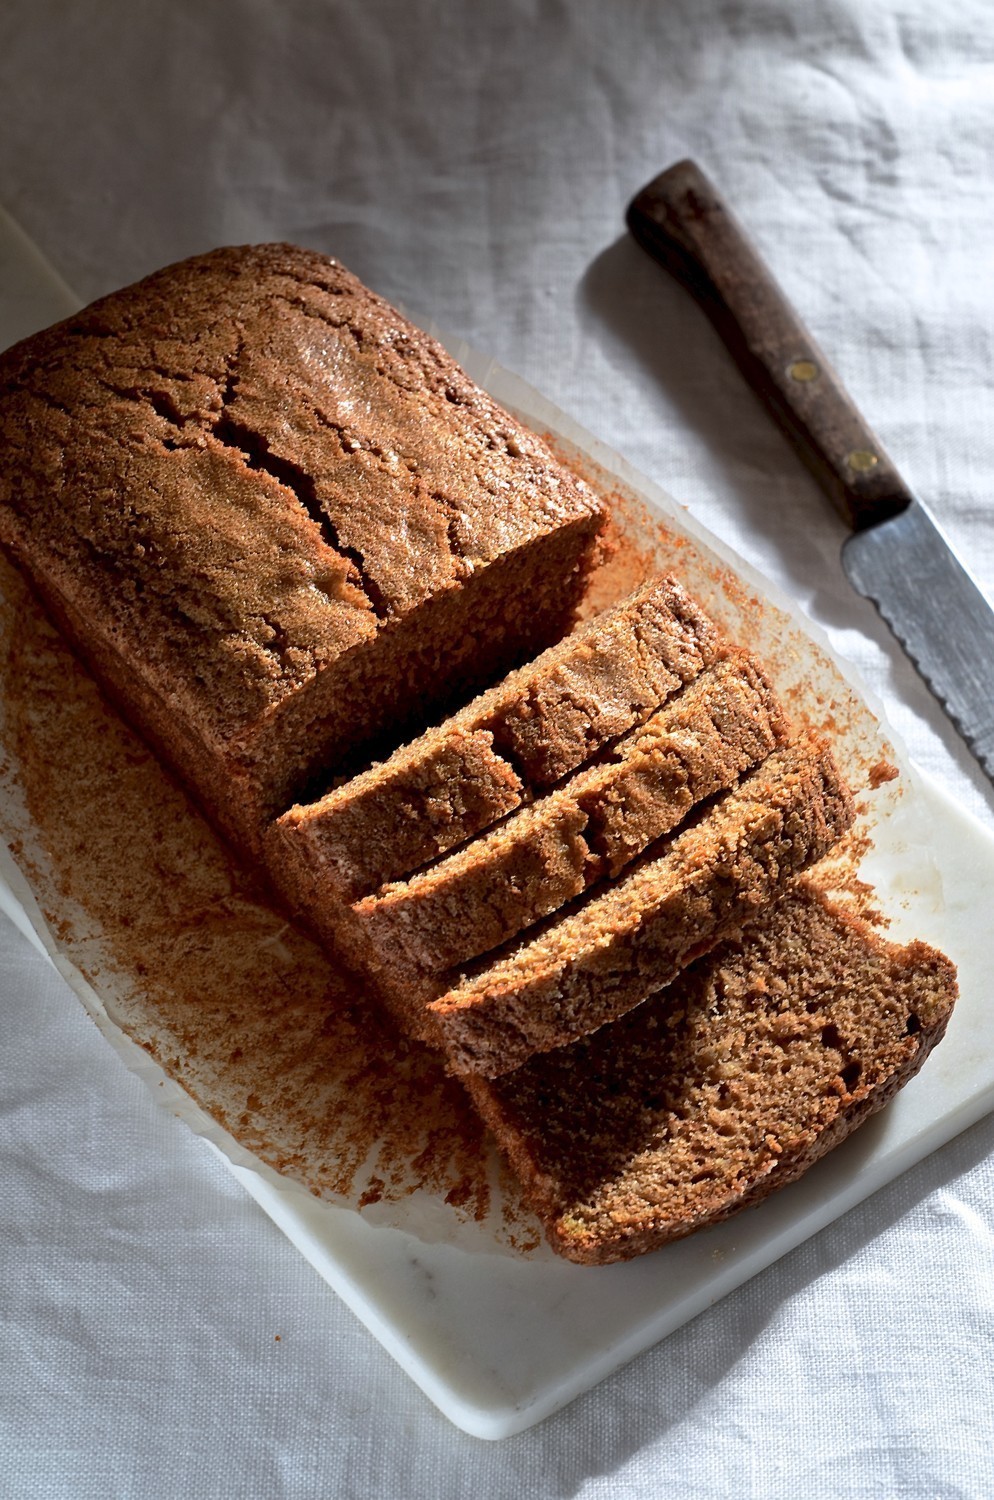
<point x="593" y="824"/>
<point x="239" y="482"/>
<point x="590" y="964"/>
<point x="755" y="1063"/>
<point x="535" y="727"/>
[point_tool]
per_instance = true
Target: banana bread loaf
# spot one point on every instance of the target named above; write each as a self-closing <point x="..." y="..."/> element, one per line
<point x="286" y="532"/>
<point x="277" y="520"/>
<point x="753" y="1064"/>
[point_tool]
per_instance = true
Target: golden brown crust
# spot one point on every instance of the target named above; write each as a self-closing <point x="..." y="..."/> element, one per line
<point x="248" y="475"/>
<point x="757" y="1061"/>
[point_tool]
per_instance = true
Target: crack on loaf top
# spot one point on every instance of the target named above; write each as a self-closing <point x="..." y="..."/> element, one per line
<point x="453" y="514"/>
<point x="226" y="388"/>
<point x="254" y="450"/>
<point x="437" y="376"/>
<point x="350" y="442"/>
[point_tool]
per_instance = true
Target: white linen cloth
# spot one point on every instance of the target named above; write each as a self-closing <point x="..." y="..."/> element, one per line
<point x="473" y="162"/>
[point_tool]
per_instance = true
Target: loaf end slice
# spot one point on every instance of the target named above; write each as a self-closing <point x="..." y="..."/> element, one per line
<point x="758" y="1060"/>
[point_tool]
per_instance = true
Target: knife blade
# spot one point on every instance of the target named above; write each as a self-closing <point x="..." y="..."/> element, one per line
<point x="896" y="556"/>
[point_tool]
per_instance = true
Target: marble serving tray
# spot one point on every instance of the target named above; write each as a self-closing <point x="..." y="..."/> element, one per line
<point x="499" y="1341"/>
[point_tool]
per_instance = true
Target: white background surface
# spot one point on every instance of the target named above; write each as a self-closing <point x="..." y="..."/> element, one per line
<point x="473" y="163"/>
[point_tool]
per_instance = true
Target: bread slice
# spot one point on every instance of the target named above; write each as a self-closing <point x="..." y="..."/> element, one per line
<point x="277" y="520"/>
<point x="594" y="823"/>
<point x="753" y="1064"/>
<point x="592" y="963"/>
<point x="523" y="735"/>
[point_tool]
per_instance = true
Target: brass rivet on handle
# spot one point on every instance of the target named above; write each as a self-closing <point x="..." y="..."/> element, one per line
<point x="803" y="370"/>
<point x="862" y="460"/>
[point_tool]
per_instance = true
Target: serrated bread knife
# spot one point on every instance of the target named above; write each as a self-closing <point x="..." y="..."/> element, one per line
<point x="896" y="556"/>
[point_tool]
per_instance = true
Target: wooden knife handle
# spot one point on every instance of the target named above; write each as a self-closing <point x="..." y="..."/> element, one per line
<point x="683" y="223"/>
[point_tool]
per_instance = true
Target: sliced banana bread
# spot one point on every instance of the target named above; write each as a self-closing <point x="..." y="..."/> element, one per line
<point x="626" y="939"/>
<point x="595" y="823"/>
<point x="523" y="735"/>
